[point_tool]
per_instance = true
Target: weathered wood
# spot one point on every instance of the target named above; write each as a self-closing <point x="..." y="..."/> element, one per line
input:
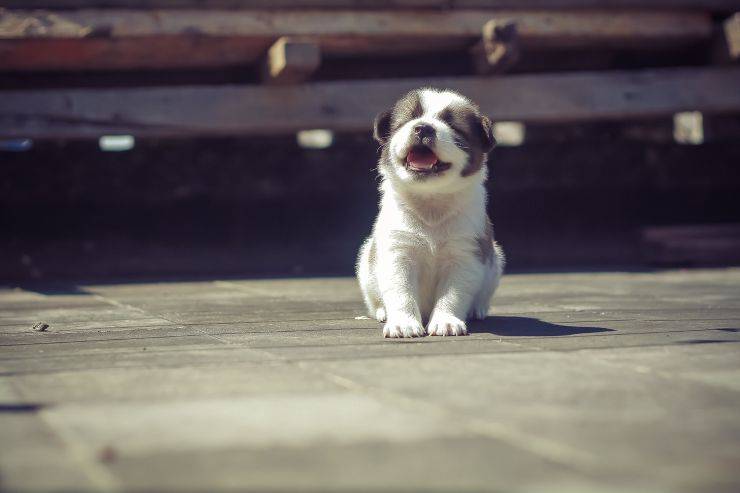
<point x="21" y="24"/>
<point x="351" y="105"/>
<point x="498" y="48"/>
<point x="711" y="5"/>
<point x="116" y="39"/>
<point x="290" y="61"/>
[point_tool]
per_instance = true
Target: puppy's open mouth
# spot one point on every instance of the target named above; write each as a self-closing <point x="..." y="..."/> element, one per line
<point x="423" y="160"/>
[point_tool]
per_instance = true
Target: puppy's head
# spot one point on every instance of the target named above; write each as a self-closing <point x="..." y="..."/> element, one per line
<point x="433" y="140"/>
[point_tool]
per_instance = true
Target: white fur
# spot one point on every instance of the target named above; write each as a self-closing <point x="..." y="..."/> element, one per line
<point x="435" y="101"/>
<point x="427" y="269"/>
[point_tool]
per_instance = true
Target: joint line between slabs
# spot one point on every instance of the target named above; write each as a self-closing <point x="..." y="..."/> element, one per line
<point x="97" y="474"/>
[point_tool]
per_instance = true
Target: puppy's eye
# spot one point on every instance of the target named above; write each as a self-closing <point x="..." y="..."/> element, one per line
<point x="461" y="141"/>
<point x="446" y="116"/>
<point x="460" y="133"/>
<point x="459" y="130"/>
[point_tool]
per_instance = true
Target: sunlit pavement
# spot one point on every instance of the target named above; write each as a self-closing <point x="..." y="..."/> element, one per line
<point x="576" y="382"/>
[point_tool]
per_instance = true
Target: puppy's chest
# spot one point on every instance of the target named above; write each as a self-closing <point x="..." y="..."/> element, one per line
<point x="434" y="259"/>
<point x="431" y="244"/>
<point x="437" y="249"/>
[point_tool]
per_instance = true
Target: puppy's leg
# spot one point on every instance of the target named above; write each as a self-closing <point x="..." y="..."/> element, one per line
<point x="397" y="276"/>
<point x="494" y="269"/>
<point x="458" y="286"/>
<point x="367" y="277"/>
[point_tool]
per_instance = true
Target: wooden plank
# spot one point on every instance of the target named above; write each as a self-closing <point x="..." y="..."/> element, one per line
<point x="117" y="39"/>
<point x="605" y="25"/>
<point x="351" y="105"/>
<point x="290" y="61"/>
<point x="710" y="5"/>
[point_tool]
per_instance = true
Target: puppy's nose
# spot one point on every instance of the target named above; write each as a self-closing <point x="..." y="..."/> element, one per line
<point x="424" y="130"/>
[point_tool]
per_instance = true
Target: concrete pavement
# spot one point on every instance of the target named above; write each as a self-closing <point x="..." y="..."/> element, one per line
<point x="576" y="382"/>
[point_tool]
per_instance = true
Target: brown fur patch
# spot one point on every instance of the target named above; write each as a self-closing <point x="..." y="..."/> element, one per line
<point x="475" y="163"/>
<point x="467" y="122"/>
<point x="407" y="108"/>
<point x="485" y="244"/>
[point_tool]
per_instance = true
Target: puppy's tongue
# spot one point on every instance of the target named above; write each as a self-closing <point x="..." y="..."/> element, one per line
<point x="421" y="158"/>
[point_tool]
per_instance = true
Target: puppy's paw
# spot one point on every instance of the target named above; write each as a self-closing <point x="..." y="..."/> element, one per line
<point x="403" y="327"/>
<point x="380" y="314"/>
<point x="445" y="324"/>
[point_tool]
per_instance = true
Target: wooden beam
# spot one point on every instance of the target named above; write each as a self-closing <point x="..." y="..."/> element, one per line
<point x="709" y="5"/>
<point x="117" y="39"/>
<point x="290" y="61"/>
<point x="498" y="48"/>
<point x="351" y="105"/>
<point x="554" y="26"/>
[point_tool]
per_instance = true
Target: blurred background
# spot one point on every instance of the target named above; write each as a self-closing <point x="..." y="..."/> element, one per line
<point x="233" y="137"/>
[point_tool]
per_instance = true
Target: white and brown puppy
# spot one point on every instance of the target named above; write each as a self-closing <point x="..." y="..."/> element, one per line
<point x="431" y="257"/>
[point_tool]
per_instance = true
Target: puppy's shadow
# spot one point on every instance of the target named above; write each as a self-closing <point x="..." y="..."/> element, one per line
<point x="528" y="327"/>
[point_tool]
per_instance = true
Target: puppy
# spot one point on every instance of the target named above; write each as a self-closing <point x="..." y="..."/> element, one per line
<point x="431" y="258"/>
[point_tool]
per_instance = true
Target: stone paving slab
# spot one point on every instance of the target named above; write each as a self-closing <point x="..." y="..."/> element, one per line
<point x="35" y="458"/>
<point x="449" y="464"/>
<point x="563" y="410"/>
<point x="575" y="382"/>
<point x="168" y="384"/>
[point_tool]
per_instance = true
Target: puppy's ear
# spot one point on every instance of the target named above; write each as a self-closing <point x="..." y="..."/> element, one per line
<point x="486" y="133"/>
<point x="382" y="127"/>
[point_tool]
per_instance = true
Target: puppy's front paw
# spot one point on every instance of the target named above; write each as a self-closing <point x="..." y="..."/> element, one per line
<point x="445" y="324"/>
<point x="402" y="327"/>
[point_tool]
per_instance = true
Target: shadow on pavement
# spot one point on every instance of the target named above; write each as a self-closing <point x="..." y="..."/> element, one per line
<point x="528" y="327"/>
